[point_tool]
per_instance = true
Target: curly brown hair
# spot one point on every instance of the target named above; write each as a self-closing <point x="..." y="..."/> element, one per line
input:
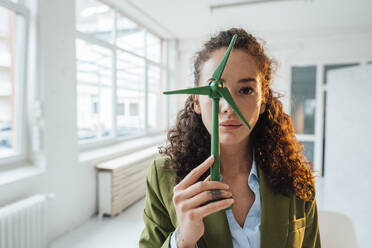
<point x="276" y="149"/>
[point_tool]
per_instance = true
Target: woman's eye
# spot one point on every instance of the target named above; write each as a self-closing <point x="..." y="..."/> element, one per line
<point x="246" y="90"/>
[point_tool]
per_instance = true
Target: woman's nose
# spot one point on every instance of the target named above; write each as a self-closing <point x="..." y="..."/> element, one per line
<point x="224" y="106"/>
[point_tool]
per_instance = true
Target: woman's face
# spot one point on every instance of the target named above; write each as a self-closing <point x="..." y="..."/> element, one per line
<point x="241" y="77"/>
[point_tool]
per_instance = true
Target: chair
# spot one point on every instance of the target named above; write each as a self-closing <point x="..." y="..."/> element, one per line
<point x="336" y="230"/>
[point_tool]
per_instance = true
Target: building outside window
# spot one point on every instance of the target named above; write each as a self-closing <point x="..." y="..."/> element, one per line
<point x="121" y="70"/>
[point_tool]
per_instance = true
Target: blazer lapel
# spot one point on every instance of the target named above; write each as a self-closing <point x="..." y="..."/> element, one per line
<point x="216" y="231"/>
<point x="274" y="215"/>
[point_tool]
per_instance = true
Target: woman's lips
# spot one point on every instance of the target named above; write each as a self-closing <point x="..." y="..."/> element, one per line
<point x="229" y="127"/>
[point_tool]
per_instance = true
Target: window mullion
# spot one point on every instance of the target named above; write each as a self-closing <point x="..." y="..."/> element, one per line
<point x="22" y="31"/>
<point x="114" y="79"/>
<point x="167" y="85"/>
<point x="99" y="106"/>
<point x="146" y="85"/>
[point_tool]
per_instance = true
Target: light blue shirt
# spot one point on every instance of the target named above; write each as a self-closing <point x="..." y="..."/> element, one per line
<point x="249" y="235"/>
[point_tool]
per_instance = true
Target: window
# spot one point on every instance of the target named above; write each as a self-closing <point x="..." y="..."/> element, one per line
<point x="13" y="43"/>
<point x="131" y="90"/>
<point x="309" y="150"/>
<point x="155" y="100"/>
<point x="130" y="36"/>
<point x="120" y="109"/>
<point x="95" y="18"/>
<point x="120" y="75"/>
<point x="94" y="77"/>
<point x="303" y="106"/>
<point x="303" y="99"/>
<point x="134" y="109"/>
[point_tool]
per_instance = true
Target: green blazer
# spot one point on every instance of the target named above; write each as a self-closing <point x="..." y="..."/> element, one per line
<point x="285" y="221"/>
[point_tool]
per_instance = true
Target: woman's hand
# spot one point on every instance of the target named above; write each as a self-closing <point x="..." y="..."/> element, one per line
<point x="188" y="197"/>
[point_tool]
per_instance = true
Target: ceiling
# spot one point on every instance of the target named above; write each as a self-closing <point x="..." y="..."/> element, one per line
<point x="193" y="18"/>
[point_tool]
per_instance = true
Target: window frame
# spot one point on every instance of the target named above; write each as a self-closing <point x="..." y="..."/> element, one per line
<point x="114" y="49"/>
<point x="21" y="66"/>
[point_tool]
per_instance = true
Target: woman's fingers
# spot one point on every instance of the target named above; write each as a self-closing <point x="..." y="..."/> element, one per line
<point x="210" y="208"/>
<point x="189" y="197"/>
<point x="202" y="186"/>
<point x="195" y="174"/>
<point x="203" y="198"/>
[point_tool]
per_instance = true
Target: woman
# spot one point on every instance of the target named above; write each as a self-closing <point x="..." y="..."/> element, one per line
<point x="262" y="168"/>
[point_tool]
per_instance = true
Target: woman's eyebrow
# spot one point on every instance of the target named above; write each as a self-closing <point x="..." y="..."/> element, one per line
<point x="246" y="80"/>
<point x="242" y="80"/>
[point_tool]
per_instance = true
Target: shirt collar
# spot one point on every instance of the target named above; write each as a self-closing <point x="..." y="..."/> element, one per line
<point x="254" y="167"/>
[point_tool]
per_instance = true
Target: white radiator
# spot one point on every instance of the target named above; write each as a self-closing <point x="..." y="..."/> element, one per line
<point x="122" y="181"/>
<point x="23" y="223"/>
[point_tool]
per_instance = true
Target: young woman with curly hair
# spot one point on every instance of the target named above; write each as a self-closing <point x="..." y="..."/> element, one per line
<point x="262" y="168"/>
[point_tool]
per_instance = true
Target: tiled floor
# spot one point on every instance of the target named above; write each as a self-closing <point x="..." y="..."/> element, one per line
<point x="124" y="230"/>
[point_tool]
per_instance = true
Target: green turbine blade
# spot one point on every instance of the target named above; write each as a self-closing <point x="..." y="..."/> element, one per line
<point x="204" y="90"/>
<point x="218" y="72"/>
<point x="227" y="96"/>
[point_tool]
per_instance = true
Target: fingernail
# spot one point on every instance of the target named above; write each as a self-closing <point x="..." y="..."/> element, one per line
<point x="227" y="186"/>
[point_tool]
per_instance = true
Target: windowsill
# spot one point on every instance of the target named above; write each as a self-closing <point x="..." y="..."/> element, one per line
<point x="101" y="154"/>
<point x="21" y="172"/>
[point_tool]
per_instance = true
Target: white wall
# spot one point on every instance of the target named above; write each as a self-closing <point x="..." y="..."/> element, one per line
<point x="347" y="188"/>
